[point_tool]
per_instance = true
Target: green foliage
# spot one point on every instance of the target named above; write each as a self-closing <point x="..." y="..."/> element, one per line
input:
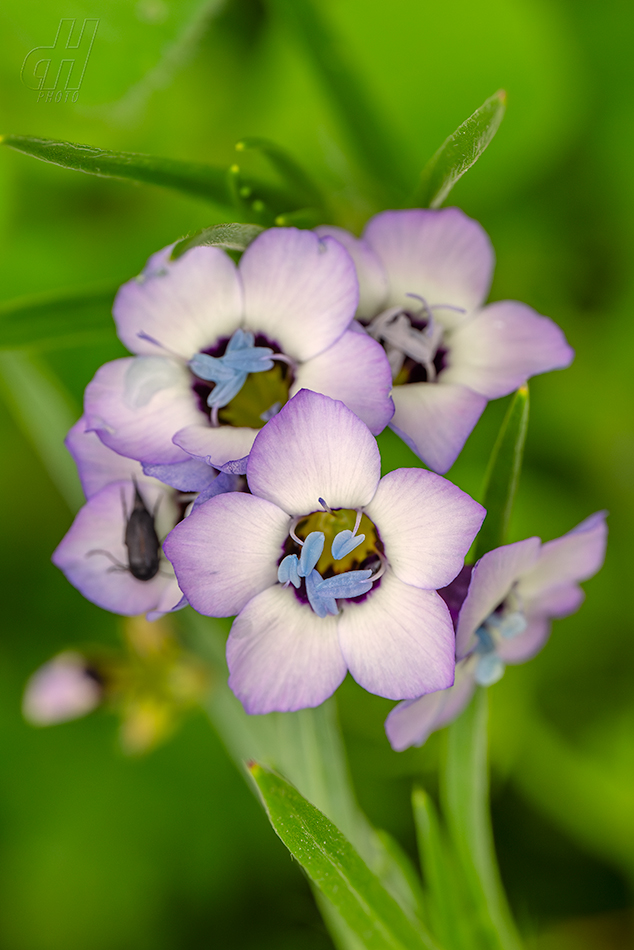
<point x="290" y="171"/>
<point x="503" y="472"/>
<point x="459" y="152"/>
<point x="335" y="867"/>
<point x="231" y="237"/>
<point x="77" y="317"/>
<point x="464" y="788"/>
<point x="368" y="133"/>
<point x="45" y="412"/>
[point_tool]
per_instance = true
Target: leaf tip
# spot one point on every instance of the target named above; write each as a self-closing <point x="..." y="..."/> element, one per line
<point x="254" y="768"/>
<point x="502" y="96"/>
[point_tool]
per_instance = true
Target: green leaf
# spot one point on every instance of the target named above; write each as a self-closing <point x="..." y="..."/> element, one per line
<point x="67" y="318"/>
<point x="459" y="152"/>
<point x="302" y="218"/>
<point x="230" y="237"/>
<point x="502" y="475"/>
<point x="465" y="799"/>
<point x="191" y="178"/>
<point x="287" y="167"/>
<point x="335" y="867"/>
<point x="44" y="411"/>
<point x="445" y="905"/>
<point x="374" y="143"/>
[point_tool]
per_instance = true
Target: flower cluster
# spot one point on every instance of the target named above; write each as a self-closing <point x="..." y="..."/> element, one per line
<point x="231" y="464"/>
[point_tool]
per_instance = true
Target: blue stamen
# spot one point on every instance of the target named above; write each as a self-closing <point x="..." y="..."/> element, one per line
<point x="311" y="552"/>
<point x="508" y="625"/>
<point x="344" y="543"/>
<point x="485" y="641"/>
<point x="350" y="584"/>
<point x="287" y="571"/>
<point x="229" y="372"/>
<point x="321" y="603"/>
<point x="489" y="669"/>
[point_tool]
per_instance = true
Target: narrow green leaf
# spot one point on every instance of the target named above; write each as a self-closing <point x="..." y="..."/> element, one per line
<point x="202" y="181"/>
<point x="230" y="237"/>
<point x="335" y="867"/>
<point x="191" y="178"/>
<point x="375" y="145"/>
<point x="464" y="788"/>
<point x="58" y="319"/>
<point x="503" y="473"/>
<point x="45" y="412"/>
<point x="447" y="912"/>
<point x="459" y="152"/>
<point x="290" y="171"/>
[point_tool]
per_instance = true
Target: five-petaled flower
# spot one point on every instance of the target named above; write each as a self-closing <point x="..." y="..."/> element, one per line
<point x="328" y="566"/>
<point x="513" y="594"/>
<point x="220" y="349"/>
<point x="423" y="278"/>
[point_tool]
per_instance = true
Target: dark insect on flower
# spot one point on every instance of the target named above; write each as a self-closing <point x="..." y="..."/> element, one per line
<point x="141" y="540"/>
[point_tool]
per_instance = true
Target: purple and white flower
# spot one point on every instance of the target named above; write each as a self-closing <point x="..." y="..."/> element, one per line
<point x="513" y="594"/>
<point x="64" y="688"/>
<point x="423" y="279"/>
<point x="101" y="555"/>
<point x="220" y="349"/>
<point x="328" y="566"/>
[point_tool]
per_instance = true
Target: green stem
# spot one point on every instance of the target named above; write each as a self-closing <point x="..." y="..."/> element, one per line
<point x="374" y="144"/>
<point x="465" y="798"/>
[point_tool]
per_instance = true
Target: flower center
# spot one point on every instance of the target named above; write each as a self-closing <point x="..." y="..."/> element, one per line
<point x="507" y="621"/>
<point x="243" y="381"/>
<point x="413" y="341"/>
<point x="331" y="555"/>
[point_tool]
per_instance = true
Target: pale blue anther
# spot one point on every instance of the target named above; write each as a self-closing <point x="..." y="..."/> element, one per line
<point x="322" y="603"/>
<point x="287" y="571"/>
<point x="508" y="625"/>
<point x="344" y="543"/>
<point x="210" y="368"/>
<point x="489" y="669"/>
<point x="229" y="372"/>
<point x="350" y="584"/>
<point x="311" y="552"/>
<point x="485" y="641"/>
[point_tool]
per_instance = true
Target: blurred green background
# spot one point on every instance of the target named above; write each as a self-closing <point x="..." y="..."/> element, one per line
<point x="103" y="852"/>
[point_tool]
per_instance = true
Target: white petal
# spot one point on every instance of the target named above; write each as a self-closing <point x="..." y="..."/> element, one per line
<point x="100" y="526"/>
<point x="399" y="641"/>
<point x="300" y="291"/>
<point x="502" y="346"/>
<point x="216" y="445"/>
<point x="281" y="655"/>
<point x="96" y="463"/>
<point x="186" y="304"/>
<point x="314" y="448"/>
<point x="435" y="420"/>
<point x="137" y="404"/>
<point x="426" y="524"/>
<point x="227" y="551"/>
<point x="491" y="581"/>
<point x="567" y="560"/>
<point x="412" y="722"/>
<point x="356" y="371"/>
<point x="370" y="272"/>
<point x="443" y="256"/>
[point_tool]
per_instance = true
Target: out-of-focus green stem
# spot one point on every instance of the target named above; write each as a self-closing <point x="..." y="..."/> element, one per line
<point x="375" y="145"/>
<point x="465" y="799"/>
